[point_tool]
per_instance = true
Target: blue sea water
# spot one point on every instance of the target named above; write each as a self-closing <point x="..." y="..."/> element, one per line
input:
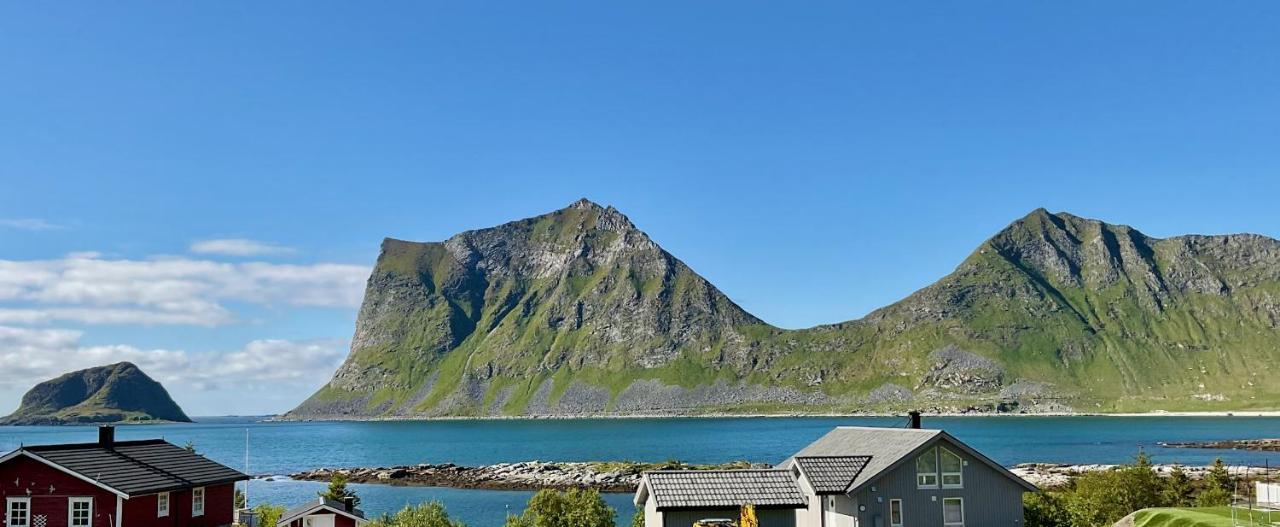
<point x="282" y="448"/>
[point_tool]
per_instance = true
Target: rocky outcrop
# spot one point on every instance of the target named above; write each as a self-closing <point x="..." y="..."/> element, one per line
<point x="106" y="394"/>
<point x="578" y="312"/>
<point x="1265" y="445"/>
<point x="528" y="475"/>
<point x="1058" y="475"/>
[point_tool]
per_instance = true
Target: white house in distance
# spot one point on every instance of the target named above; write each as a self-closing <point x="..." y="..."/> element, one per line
<point x="851" y="477"/>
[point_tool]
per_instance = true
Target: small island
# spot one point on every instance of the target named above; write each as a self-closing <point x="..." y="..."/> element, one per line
<point x="1265" y="445"/>
<point x="115" y="393"/>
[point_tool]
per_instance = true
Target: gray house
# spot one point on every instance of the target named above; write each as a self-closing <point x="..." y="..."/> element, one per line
<point x="855" y="477"/>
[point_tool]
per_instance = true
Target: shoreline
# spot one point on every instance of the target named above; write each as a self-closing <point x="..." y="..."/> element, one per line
<point x="1157" y="413"/>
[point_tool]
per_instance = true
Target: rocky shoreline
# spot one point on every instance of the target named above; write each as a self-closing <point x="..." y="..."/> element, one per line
<point x="1266" y="445"/>
<point x="527" y="475"/>
<point x="1054" y="475"/>
<point x="624" y="476"/>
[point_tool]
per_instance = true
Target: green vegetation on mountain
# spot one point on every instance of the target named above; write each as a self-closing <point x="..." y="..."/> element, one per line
<point x="106" y="394"/>
<point x="578" y="312"/>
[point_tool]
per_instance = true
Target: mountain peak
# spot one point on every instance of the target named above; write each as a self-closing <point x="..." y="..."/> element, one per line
<point x="584" y="203"/>
<point x="111" y="393"/>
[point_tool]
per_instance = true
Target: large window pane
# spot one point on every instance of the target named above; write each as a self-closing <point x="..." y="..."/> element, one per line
<point x="927" y="469"/>
<point x="952" y="468"/>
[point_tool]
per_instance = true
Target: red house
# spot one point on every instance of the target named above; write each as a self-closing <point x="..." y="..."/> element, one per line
<point x="324" y="513"/>
<point x="149" y="483"/>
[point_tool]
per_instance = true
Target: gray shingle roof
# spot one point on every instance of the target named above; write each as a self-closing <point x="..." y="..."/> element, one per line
<point x="831" y="474"/>
<point x="315" y="505"/>
<point x="724" y="488"/>
<point x="138" y="467"/>
<point x="885" y="446"/>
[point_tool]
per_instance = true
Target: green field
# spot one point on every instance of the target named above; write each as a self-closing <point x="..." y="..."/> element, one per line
<point x="1203" y="517"/>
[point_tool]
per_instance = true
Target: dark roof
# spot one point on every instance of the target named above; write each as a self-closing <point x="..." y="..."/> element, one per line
<point x="831" y="474"/>
<point x="319" y="503"/>
<point x="723" y="488"/>
<point x="137" y="467"/>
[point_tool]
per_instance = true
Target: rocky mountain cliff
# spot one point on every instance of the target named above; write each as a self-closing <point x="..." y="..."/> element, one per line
<point x="106" y="394"/>
<point x="578" y="312"/>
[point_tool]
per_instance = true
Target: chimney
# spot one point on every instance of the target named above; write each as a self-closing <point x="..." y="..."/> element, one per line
<point x="915" y="419"/>
<point x="107" y="436"/>
<point x="349" y="504"/>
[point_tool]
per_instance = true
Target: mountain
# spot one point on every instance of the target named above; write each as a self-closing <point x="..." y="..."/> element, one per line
<point x="578" y="312"/>
<point x="115" y="393"/>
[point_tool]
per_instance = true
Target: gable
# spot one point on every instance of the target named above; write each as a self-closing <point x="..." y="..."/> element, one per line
<point x="906" y="465"/>
<point x="19" y="456"/>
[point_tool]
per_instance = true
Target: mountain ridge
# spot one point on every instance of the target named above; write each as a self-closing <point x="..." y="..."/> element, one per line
<point x="578" y="312"/>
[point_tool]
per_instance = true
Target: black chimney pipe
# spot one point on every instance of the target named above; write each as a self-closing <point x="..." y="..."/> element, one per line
<point x="107" y="436"/>
<point x="915" y="419"/>
<point x="349" y="504"/>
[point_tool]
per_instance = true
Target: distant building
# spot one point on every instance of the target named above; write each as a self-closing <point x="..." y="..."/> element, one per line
<point x="149" y="483"/>
<point x="324" y="513"/>
<point x="1268" y="494"/>
<point x="851" y="477"/>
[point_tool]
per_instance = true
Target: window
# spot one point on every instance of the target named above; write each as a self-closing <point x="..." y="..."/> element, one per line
<point x="79" y="512"/>
<point x="18" y="512"/>
<point x="895" y="513"/>
<point x="927" y="469"/>
<point x="162" y="504"/>
<point x="953" y="512"/>
<point x="952" y="469"/>
<point x="197" y="501"/>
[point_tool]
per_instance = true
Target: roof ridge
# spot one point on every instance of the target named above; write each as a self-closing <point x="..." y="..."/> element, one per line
<point x="69" y="446"/>
<point x="671" y="471"/>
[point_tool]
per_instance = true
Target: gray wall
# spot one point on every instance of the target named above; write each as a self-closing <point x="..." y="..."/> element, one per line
<point x="991" y="499"/>
<point x="768" y="517"/>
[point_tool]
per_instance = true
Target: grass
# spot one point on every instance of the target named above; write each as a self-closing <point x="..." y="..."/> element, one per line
<point x="1202" y="517"/>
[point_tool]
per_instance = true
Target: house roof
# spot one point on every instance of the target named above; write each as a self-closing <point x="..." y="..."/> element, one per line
<point x="675" y="489"/>
<point x="831" y="474"/>
<point x="888" y="448"/>
<point x="320" y="505"/>
<point x="133" y="468"/>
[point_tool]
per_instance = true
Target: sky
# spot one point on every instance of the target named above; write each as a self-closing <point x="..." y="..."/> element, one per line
<point x="201" y="187"/>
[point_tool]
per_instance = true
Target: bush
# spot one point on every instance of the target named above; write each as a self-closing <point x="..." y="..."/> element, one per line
<point x="268" y="514"/>
<point x="570" y="508"/>
<point x="1042" y="509"/>
<point x="1217" y="487"/>
<point x="338" y="490"/>
<point x="430" y="514"/>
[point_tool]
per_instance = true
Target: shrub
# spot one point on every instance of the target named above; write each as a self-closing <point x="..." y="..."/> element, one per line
<point x="430" y="514"/>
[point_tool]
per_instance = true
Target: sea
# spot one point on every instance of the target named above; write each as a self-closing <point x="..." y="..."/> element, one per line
<point x="272" y="450"/>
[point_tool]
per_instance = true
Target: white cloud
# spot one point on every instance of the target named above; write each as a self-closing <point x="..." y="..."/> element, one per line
<point x="29" y="356"/>
<point x="238" y="247"/>
<point x="89" y="288"/>
<point x="30" y="224"/>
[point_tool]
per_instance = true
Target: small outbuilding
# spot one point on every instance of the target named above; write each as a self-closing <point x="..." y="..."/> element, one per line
<point x="324" y="513"/>
<point x="681" y="498"/>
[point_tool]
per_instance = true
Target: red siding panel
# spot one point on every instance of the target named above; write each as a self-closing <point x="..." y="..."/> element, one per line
<point x="22" y="474"/>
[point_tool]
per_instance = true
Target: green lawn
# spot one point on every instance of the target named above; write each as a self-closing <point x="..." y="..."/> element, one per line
<point x="1201" y="517"/>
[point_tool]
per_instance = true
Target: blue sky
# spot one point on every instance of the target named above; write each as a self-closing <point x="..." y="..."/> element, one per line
<point x="815" y="161"/>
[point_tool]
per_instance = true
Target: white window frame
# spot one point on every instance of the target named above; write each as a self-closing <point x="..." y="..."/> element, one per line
<point x="162" y="505"/>
<point x="902" y="515"/>
<point x="71" y="511"/>
<point x="922" y="478"/>
<point x="8" y="511"/>
<point x="197" y="498"/>
<point x="942" y="452"/>
<point x="944" y="512"/>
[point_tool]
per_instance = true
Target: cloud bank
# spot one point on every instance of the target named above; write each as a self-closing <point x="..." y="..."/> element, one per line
<point x="90" y="289"/>
<point x="239" y="247"/>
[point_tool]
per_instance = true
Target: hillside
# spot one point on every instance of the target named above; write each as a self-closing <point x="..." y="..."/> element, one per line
<point x="578" y="312"/>
<point x="106" y="394"/>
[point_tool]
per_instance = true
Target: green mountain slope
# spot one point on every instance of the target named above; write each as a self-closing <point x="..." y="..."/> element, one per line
<point x="106" y="394"/>
<point x="578" y="312"/>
